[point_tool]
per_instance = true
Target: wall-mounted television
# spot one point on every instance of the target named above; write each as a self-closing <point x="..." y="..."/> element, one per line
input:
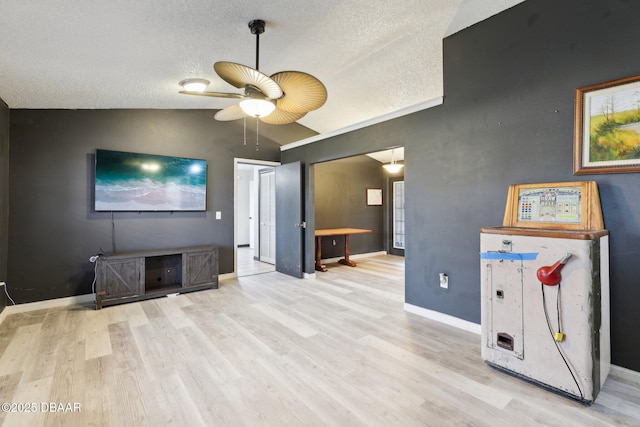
<point x="147" y="182"/>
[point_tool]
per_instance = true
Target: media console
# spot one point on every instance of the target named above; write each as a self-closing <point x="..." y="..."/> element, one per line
<point x="138" y="275"/>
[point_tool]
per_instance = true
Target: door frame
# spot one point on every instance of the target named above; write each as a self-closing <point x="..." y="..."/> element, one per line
<point x="309" y="204"/>
<point x="236" y="162"/>
<point x="272" y="198"/>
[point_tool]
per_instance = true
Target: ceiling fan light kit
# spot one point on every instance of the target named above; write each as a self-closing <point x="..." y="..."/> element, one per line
<point x="194" y="85"/>
<point x="283" y="98"/>
<point x="257" y="107"/>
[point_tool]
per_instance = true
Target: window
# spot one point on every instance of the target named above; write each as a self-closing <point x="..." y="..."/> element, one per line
<point x="398" y="215"/>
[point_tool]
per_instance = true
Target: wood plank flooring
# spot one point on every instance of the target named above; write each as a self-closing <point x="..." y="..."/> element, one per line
<point x="269" y="350"/>
<point x="248" y="266"/>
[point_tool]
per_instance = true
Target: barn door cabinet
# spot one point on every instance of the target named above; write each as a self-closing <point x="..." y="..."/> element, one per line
<point x="133" y="276"/>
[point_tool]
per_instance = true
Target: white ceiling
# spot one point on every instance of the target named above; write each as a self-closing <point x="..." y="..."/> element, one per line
<point x="375" y="57"/>
<point x="397" y="154"/>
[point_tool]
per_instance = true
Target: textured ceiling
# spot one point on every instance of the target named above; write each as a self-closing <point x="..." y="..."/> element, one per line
<point x="374" y="56"/>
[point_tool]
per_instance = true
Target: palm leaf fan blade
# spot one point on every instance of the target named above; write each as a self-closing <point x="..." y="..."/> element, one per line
<point x="230" y="113"/>
<point x="241" y="76"/>
<point x="282" y="117"/>
<point x="302" y="91"/>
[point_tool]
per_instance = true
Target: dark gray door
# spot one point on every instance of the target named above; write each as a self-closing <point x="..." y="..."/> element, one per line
<point x="289" y="219"/>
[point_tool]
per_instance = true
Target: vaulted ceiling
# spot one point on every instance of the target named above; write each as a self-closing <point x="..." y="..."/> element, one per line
<point x="375" y="57"/>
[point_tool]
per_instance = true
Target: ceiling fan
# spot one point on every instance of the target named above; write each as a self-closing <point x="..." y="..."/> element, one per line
<point x="279" y="99"/>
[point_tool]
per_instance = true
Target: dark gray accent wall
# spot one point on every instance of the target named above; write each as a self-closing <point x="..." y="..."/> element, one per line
<point x="4" y="197"/>
<point x="340" y="201"/>
<point x="508" y="117"/>
<point x="52" y="228"/>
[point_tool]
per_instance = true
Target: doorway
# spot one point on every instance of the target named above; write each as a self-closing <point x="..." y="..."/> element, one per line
<point x="339" y="194"/>
<point x="254" y="217"/>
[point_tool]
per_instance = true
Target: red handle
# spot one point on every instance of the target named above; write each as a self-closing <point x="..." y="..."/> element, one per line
<point x="550" y="275"/>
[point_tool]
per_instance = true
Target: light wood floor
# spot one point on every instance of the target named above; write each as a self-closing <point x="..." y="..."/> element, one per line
<point x="248" y="266"/>
<point x="276" y="351"/>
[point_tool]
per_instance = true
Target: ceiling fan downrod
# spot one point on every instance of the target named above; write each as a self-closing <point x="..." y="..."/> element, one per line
<point x="257" y="28"/>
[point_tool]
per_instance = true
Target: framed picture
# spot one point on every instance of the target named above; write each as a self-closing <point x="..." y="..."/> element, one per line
<point x="374" y="196"/>
<point x="554" y="205"/>
<point x="607" y="127"/>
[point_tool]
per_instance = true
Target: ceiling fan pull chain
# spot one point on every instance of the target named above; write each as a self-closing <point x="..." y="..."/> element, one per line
<point x="257" y="135"/>
<point x="244" y="128"/>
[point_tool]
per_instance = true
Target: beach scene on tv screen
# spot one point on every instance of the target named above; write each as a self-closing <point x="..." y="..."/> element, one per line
<point x="147" y="182"/>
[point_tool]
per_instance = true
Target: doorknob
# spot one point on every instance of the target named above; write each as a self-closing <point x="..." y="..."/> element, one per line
<point x="301" y="225"/>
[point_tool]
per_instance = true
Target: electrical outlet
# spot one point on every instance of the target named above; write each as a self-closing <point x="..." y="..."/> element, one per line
<point x="444" y="281"/>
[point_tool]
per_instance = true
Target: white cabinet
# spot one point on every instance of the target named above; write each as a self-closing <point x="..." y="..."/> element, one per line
<point x="566" y="347"/>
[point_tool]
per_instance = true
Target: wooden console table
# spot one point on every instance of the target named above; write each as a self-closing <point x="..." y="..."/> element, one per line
<point x="336" y="232"/>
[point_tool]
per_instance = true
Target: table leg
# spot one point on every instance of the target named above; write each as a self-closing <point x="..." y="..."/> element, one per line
<point x="346" y="260"/>
<point x="319" y="265"/>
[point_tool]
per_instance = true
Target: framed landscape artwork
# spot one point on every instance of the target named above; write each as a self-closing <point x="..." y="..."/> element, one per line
<point x="607" y="127"/>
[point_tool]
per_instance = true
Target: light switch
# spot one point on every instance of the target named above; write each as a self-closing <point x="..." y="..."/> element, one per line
<point x="218" y="215"/>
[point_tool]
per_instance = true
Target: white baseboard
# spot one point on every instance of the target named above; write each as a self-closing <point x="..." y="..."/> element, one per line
<point x="43" y="305"/>
<point x="625" y="373"/>
<point x="475" y="328"/>
<point x="227" y="276"/>
<point x="443" y="318"/>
